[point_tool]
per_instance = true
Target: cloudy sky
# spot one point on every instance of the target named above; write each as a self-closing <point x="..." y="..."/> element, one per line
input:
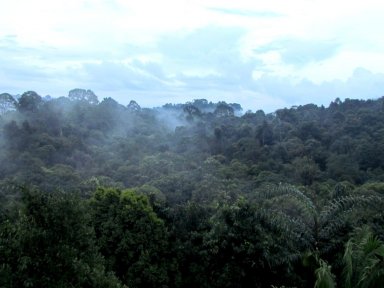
<point x="261" y="54"/>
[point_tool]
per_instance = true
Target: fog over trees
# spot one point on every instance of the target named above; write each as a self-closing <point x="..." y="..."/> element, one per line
<point x="200" y="194"/>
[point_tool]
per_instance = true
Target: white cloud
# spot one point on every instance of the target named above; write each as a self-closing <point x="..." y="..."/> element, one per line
<point x="277" y="52"/>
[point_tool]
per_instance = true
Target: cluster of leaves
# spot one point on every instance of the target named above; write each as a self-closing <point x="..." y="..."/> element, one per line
<point x="50" y="243"/>
<point x="199" y="196"/>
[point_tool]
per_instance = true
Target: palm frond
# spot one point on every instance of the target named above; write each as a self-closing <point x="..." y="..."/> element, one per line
<point x="324" y="276"/>
<point x="347" y="273"/>
<point x="348" y="203"/>
<point x="276" y="196"/>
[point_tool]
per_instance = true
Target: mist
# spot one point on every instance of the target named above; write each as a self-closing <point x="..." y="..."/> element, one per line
<point x="195" y="175"/>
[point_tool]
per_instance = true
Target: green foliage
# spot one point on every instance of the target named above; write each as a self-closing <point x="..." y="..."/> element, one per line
<point x="83" y="95"/>
<point x="318" y="227"/>
<point x="7" y="103"/>
<point x="199" y="196"/>
<point x="51" y="244"/>
<point x="324" y="277"/>
<point x="363" y="260"/>
<point x="247" y="248"/>
<point x="131" y="237"/>
<point x="29" y="102"/>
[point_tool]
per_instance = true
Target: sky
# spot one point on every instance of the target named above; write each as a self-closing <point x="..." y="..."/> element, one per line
<point x="262" y="54"/>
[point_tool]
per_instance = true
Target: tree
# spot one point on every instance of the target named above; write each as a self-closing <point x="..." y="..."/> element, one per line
<point x="83" y="95"/>
<point x="324" y="276"/>
<point x="318" y="230"/>
<point x="246" y="248"/>
<point x="7" y="103"/>
<point x="319" y="227"/>
<point x="133" y="106"/>
<point x="306" y="170"/>
<point x="363" y="263"/>
<point x="191" y="111"/>
<point x="363" y="260"/>
<point x="343" y="168"/>
<point x="189" y="224"/>
<point x="30" y="102"/>
<point x="51" y="244"/>
<point x="131" y="237"/>
<point x="265" y="134"/>
<point x="224" y="110"/>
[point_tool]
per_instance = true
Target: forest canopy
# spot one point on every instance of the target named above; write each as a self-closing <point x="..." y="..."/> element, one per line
<point x="99" y="194"/>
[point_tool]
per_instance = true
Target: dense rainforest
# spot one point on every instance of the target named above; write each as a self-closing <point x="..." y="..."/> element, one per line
<point x="98" y="194"/>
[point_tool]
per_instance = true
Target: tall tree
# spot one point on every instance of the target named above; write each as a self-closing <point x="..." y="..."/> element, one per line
<point x="131" y="237"/>
<point x="51" y="244"/>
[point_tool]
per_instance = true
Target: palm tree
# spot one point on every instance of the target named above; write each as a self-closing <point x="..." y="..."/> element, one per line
<point x="324" y="276"/>
<point x="316" y="228"/>
<point x="363" y="260"/>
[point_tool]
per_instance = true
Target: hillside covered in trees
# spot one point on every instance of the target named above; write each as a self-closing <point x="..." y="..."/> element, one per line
<point x="98" y="194"/>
